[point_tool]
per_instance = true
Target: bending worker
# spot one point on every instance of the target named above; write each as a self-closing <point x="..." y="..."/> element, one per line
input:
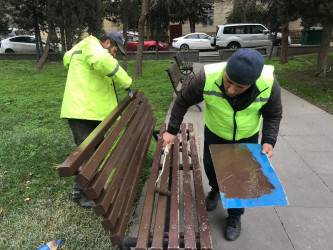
<point x="90" y="93"/>
<point x="237" y="95"/>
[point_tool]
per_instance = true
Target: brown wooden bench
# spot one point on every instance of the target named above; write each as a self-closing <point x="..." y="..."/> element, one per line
<point x="113" y="172"/>
<point x="186" y="68"/>
<point x="177" y="78"/>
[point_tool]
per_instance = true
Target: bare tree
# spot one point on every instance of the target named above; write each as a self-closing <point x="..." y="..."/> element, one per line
<point x="141" y="29"/>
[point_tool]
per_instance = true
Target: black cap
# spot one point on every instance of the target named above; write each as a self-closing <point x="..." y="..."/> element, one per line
<point x="244" y="66"/>
<point x="118" y="38"/>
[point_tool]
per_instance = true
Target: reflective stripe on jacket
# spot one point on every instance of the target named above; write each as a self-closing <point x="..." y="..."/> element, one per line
<point x="92" y="72"/>
<point x="221" y="118"/>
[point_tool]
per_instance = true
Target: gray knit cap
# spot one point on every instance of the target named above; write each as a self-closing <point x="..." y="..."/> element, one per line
<point x="118" y="38"/>
<point x="245" y="66"/>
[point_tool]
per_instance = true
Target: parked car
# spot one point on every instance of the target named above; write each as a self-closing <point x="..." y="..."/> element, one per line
<point x="235" y="36"/>
<point x="133" y="40"/>
<point x="193" y="41"/>
<point x="24" y="44"/>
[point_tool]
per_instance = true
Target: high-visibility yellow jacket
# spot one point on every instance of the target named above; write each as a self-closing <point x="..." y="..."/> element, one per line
<point x="92" y="72"/>
<point x="221" y="118"/>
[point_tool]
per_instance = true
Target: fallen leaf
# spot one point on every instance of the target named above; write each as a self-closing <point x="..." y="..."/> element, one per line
<point x="27" y="182"/>
<point x="31" y="174"/>
<point x="27" y="199"/>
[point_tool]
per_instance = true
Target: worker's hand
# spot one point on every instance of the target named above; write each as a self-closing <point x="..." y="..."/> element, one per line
<point x="267" y="149"/>
<point x="168" y="139"/>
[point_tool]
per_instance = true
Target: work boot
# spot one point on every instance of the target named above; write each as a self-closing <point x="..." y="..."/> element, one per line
<point x="80" y="198"/>
<point x="233" y="227"/>
<point x="212" y="199"/>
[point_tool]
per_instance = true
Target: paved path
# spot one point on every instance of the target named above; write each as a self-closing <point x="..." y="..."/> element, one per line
<point x="303" y="160"/>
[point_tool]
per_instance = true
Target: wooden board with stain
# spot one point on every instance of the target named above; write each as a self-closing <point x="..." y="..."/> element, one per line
<point x="245" y="176"/>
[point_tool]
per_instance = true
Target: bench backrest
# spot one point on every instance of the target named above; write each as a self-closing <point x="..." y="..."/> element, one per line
<point x="175" y="75"/>
<point x="178" y="60"/>
<point x="112" y="173"/>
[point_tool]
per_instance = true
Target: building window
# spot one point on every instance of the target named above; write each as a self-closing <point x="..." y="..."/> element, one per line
<point x="210" y="20"/>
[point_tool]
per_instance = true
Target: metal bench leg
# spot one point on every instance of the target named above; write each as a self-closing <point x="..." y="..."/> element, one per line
<point x="128" y="243"/>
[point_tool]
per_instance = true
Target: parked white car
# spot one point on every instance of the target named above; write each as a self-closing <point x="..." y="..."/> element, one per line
<point x="24" y="44"/>
<point x="193" y="41"/>
<point x="240" y="35"/>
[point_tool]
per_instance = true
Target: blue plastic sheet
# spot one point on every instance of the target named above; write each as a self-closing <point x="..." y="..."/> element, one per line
<point x="277" y="197"/>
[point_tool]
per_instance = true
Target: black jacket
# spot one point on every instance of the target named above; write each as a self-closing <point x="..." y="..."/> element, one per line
<point x="193" y="93"/>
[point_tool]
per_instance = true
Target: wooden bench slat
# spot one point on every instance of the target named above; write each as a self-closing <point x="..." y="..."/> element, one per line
<point x="202" y="216"/>
<point x="75" y="160"/>
<point x="104" y="200"/>
<point x="118" y="233"/>
<point x="189" y="227"/>
<point x="145" y="224"/>
<point x="110" y="218"/>
<point x="160" y="218"/>
<point x="174" y="200"/>
<point x="96" y="186"/>
<point x="88" y="171"/>
<point x="139" y="134"/>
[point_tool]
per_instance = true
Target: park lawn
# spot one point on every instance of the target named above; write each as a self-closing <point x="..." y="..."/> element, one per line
<point x="298" y="77"/>
<point x="35" y="204"/>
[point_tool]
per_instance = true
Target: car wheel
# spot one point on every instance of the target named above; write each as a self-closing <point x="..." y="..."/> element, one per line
<point x="9" y="51"/>
<point x="184" y="47"/>
<point x="233" y="46"/>
<point x="152" y="48"/>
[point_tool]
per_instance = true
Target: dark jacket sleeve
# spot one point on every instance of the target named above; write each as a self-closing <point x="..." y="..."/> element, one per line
<point x="191" y="94"/>
<point x="272" y="115"/>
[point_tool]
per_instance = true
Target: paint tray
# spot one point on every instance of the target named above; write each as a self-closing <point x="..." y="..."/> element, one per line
<point x="245" y="176"/>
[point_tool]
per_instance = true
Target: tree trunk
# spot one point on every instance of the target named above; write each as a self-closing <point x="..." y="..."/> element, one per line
<point x="37" y="32"/>
<point x="273" y="39"/>
<point x="157" y="26"/>
<point x="141" y="29"/>
<point x="42" y="60"/>
<point x="62" y="38"/>
<point x="125" y="29"/>
<point x="284" y="43"/>
<point x="324" y="50"/>
<point x="192" y="26"/>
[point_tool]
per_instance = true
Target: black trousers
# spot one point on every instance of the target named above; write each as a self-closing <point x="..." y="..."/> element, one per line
<point x="211" y="138"/>
<point x="81" y="129"/>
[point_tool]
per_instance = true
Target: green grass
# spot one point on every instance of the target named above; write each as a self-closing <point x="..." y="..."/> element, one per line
<point x="298" y="76"/>
<point x="35" y="204"/>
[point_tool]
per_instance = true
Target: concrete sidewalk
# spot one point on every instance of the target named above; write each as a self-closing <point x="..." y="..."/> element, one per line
<point x="304" y="163"/>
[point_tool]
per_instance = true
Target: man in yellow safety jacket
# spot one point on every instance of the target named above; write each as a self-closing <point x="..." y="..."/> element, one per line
<point x="90" y="93"/>
<point x="237" y="95"/>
